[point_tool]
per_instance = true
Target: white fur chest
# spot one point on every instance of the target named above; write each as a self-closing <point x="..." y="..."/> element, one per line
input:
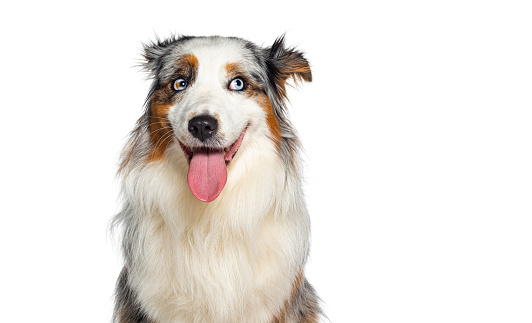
<point x="215" y="262"/>
<point x="199" y="278"/>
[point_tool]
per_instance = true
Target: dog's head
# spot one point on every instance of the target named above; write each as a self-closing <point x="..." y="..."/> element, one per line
<point x="209" y="93"/>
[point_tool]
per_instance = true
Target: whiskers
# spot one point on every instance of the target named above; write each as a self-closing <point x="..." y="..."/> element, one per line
<point x="164" y="140"/>
<point x="162" y="134"/>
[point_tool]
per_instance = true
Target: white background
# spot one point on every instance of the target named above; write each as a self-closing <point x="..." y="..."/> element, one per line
<point x="417" y="131"/>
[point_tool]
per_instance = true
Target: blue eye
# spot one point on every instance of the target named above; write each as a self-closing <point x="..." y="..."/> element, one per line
<point x="237" y="84"/>
<point x="180" y="84"/>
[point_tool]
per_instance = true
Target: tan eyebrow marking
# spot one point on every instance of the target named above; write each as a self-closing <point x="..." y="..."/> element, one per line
<point x="189" y="60"/>
<point x="232" y="69"/>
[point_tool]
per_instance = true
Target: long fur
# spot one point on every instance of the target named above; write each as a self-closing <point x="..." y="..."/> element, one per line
<point x="241" y="257"/>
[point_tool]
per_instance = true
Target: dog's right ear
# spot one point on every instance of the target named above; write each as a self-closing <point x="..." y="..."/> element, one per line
<point x="154" y="52"/>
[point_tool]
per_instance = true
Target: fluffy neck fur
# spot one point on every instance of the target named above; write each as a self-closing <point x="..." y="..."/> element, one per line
<point x="233" y="259"/>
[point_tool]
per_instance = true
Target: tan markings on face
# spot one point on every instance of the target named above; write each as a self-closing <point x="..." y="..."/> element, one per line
<point x="161" y="133"/>
<point x="190" y="60"/>
<point x="253" y="91"/>
<point x="186" y="67"/>
<point x="273" y="125"/>
<point x="232" y="69"/>
<point x="160" y="130"/>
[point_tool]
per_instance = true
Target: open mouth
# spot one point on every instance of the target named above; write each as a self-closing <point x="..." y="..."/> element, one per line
<point x="229" y="152"/>
<point x="207" y="173"/>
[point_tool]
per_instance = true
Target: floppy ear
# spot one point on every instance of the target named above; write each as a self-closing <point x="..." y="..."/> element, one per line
<point x="284" y="63"/>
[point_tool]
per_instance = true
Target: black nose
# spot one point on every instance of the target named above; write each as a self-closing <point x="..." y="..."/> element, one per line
<point x="202" y="127"/>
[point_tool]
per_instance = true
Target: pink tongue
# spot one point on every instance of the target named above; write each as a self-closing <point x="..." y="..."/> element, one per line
<point x="207" y="174"/>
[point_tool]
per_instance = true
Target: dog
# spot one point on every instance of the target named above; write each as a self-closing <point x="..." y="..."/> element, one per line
<point x="214" y="222"/>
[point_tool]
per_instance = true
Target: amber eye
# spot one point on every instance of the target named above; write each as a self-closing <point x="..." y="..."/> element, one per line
<point x="180" y="84"/>
<point x="237" y="84"/>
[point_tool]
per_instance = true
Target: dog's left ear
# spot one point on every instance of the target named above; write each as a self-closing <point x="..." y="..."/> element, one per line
<point x="284" y="63"/>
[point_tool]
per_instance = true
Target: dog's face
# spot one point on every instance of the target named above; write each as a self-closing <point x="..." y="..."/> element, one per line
<point x="209" y="93"/>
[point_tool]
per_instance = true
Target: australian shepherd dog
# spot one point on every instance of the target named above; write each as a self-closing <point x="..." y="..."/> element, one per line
<point x="214" y="222"/>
